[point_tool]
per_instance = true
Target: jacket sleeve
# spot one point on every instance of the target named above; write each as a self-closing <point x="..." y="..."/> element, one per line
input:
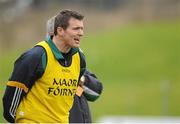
<point x="92" y="86"/>
<point x="11" y="100"/>
<point x="27" y="69"/>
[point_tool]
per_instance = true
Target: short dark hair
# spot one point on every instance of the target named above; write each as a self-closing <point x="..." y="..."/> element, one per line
<point x="62" y="19"/>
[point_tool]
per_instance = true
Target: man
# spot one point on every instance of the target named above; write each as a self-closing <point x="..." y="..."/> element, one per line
<point x="45" y="78"/>
<point x="89" y="89"/>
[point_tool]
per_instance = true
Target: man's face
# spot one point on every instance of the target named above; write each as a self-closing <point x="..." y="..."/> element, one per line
<point x="72" y="35"/>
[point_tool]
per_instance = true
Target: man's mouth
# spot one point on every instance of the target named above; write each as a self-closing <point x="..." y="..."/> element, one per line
<point x="77" y="40"/>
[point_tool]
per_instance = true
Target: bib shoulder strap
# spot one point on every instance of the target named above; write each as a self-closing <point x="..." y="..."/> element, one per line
<point x="42" y="43"/>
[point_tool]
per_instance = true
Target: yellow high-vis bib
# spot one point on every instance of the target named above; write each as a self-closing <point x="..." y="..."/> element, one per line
<point x="51" y="97"/>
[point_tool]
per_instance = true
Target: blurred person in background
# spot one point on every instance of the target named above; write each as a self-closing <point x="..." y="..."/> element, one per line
<point x="89" y="88"/>
<point x="45" y="79"/>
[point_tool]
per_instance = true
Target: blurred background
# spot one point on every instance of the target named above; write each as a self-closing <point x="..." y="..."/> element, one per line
<point x="133" y="46"/>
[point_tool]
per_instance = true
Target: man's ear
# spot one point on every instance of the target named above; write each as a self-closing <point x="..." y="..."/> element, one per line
<point x="60" y="31"/>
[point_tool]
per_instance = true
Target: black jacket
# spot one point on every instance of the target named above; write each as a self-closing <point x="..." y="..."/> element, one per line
<point x="80" y="112"/>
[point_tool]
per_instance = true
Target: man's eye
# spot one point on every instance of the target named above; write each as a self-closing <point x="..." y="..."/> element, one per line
<point x="76" y="28"/>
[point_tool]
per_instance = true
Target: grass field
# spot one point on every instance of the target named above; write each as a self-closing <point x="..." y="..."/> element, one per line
<point x="139" y="66"/>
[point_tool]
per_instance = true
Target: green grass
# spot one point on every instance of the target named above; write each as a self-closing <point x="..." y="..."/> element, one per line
<point x="134" y="63"/>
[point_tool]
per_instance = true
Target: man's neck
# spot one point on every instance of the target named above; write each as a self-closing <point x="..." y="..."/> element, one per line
<point x="61" y="45"/>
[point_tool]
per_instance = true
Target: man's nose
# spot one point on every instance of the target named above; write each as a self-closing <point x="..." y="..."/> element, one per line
<point x="81" y="32"/>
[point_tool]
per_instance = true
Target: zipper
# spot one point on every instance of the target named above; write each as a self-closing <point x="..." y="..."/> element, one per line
<point x="65" y="63"/>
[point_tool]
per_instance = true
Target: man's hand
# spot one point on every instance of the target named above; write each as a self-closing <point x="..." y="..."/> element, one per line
<point x="82" y="80"/>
